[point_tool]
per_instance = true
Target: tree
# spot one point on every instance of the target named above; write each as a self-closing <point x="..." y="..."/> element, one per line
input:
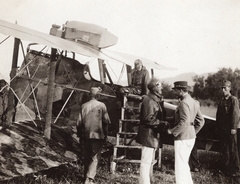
<point x="198" y="87"/>
<point x="211" y="87"/>
<point x="167" y="91"/>
<point x="236" y="82"/>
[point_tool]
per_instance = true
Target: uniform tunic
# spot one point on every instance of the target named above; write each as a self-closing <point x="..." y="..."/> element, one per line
<point x="188" y="119"/>
<point x="227" y="115"/>
<point x="92" y="130"/>
<point x="92" y="119"/>
<point x="140" y="80"/>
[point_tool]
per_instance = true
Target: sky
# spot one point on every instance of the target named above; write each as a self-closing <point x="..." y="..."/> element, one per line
<point x="199" y="36"/>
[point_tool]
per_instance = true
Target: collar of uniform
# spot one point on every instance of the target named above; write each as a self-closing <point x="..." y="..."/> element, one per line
<point x="226" y="97"/>
<point x="184" y="96"/>
<point x="154" y="97"/>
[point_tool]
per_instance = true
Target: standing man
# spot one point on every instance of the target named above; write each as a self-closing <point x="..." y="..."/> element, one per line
<point x="3" y="101"/>
<point x="188" y="121"/>
<point x="152" y="116"/>
<point x="140" y="79"/>
<point x="227" y="118"/>
<point x="92" y="129"/>
<point x="193" y="162"/>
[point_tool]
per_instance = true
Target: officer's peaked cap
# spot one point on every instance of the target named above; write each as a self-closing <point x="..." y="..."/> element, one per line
<point x="181" y="85"/>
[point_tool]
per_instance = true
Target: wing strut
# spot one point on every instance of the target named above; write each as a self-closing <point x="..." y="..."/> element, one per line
<point x="101" y="71"/>
<point x="152" y="72"/>
<point x="106" y="71"/>
<point x="11" y="101"/>
<point x="50" y="92"/>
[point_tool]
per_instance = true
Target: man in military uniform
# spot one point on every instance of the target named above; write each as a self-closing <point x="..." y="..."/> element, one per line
<point x="194" y="163"/>
<point x="92" y="129"/>
<point x="152" y="123"/>
<point x="227" y="118"/>
<point x="188" y="120"/>
<point x="140" y="79"/>
<point x="3" y="100"/>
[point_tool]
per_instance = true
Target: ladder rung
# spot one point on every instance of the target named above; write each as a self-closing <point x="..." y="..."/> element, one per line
<point x="137" y="97"/>
<point x="130" y="120"/>
<point x="127" y="133"/>
<point x="131" y="108"/>
<point x="133" y="161"/>
<point x="128" y="146"/>
<point x="128" y="160"/>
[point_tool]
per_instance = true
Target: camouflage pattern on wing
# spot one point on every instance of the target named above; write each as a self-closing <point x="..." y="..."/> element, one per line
<point x="24" y="150"/>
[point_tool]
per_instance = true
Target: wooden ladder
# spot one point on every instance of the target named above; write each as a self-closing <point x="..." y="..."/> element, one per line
<point x="125" y="138"/>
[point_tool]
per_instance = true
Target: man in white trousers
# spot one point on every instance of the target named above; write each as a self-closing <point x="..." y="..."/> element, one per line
<point x="188" y="120"/>
<point x="152" y="122"/>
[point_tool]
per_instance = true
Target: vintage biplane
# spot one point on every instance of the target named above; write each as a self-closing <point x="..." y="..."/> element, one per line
<point x="54" y="85"/>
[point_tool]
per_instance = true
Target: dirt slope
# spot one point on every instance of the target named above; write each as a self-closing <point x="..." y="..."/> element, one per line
<point x="24" y="150"/>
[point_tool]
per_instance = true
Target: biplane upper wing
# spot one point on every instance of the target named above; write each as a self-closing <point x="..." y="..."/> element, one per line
<point x="31" y="35"/>
<point x="129" y="59"/>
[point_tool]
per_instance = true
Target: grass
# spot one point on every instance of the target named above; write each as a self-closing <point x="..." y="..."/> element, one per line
<point x="72" y="173"/>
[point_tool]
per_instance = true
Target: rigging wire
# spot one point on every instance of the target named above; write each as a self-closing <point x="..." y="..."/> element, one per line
<point x="30" y="85"/>
<point x="121" y="74"/>
<point x="4" y="40"/>
<point x="111" y="69"/>
<point x="21" y="70"/>
<point x="23" y="105"/>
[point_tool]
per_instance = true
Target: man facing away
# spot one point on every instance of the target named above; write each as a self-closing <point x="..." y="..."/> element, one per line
<point x="227" y="118"/>
<point x="92" y="128"/>
<point x="152" y="116"/>
<point x="188" y="120"/>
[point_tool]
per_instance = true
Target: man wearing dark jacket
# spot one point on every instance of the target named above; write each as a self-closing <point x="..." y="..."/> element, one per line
<point x="227" y="118"/>
<point x="152" y="116"/>
<point x="140" y="79"/>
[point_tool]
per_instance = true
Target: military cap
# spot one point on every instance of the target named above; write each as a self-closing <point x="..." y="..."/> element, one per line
<point x="226" y="83"/>
<point x="181" y="85"/>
